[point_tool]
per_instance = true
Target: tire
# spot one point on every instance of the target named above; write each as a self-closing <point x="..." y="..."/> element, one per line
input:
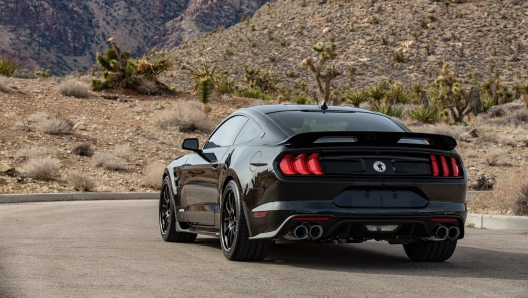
<point x="167" y="217"/>
<point x="234" y="232"/>
<point x="430" y="251"/>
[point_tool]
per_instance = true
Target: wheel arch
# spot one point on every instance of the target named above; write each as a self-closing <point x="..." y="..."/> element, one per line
<point x="233" y="177"/>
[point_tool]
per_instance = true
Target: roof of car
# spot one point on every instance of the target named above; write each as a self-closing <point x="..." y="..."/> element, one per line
<point x="266" y="109"/>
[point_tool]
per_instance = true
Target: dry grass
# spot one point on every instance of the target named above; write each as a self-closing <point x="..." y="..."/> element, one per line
<point x="4" y="88"/>
<point x="42" y="168"/>
<point x="84" y="149"/>
<point x="73" y="88"/>
<point x="445" y="129"/>
<point x="80" y="181"/>
<point x="109" y="161"/>
<point x="122" y="151"/>
<point x="152" y="175"/>
<point x="33" y="152"/>
<point x="54" y="125"/>
<point x="508" y="195"/>
<point x="498" y="158"/>
<point x="187" y="117"/>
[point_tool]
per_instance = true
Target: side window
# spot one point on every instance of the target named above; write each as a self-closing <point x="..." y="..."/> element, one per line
<point x="226" y="134"/>
<point x="248" y="132"/>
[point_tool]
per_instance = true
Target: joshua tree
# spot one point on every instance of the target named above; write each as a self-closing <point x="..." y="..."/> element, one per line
<point x="447" y="92"/>
<point x="323" y="76"/>
<point x="205" y="81"/>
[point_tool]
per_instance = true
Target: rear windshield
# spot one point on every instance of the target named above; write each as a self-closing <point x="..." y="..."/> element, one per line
<point x="295" y="122"/>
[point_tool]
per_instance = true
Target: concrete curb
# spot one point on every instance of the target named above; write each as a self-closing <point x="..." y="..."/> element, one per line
<point x="497" y="222"/>
<point x="481" y="221"/>
<point x="81" y="196"/>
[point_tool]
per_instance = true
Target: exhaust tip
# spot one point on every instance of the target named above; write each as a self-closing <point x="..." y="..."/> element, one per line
<point x="316" y="231"/>
<point x="300" y="232"/>
<point x="453" y="233"/>
<point x="442" y="232"/>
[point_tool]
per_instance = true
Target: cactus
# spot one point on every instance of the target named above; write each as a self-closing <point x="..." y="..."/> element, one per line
<point x="323" y="74"/>
<point x="205" y="88"/>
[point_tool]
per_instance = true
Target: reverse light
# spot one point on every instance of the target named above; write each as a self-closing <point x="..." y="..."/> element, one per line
<point x="301" y="164"/>
<point x="381" y="228"/>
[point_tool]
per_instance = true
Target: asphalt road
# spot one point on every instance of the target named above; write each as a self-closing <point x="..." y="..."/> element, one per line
<point x="113" y="249"/>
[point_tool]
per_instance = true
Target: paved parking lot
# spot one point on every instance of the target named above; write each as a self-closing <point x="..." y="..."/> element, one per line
<point x="113" y="249"/>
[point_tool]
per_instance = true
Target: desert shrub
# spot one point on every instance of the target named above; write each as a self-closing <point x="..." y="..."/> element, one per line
<point x="226" y="86"/>
<point x="122" y="151"/>
<point x="109" y="161"/>
<point x="38" y="117"/>
<point x="4" y="88"/>
<point x="260" y="79"/>
<point x="356" y="97"/>
<point x="251" y="91"/>
<point x="498" y="157"/>
<point x="73" y="88"/>
<point x="55" y="125"/>
<point x="80" y="181"/>
<point x="425" y="114"/>
<point x="42" y="168"/>
<point x="84" y="149"/>
<point x="8" y="65"/>
<point x="487" y="103"/>
<point x="520" y="205"/>
<point x="387" y="109"/>
<point x="507" y="196"/>
<point x="187" y="117"/>
<point x="33" y="152"/>
<point x="152" y="175"/>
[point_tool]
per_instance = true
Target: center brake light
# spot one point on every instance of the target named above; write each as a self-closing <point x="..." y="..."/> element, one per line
<point x="444" y="166"/>
<point x="301" y="164"/>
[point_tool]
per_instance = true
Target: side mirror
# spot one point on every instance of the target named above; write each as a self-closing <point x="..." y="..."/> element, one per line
<point x="190" y="144"/>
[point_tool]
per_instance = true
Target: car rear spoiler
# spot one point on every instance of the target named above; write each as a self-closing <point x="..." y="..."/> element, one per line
<point x="370" y="138"/>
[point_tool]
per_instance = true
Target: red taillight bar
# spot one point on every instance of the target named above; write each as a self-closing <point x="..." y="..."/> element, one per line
<point x="302" y="164"/>
<point x="434" y="163"/>
<point x="444" y="219"/>
<point x="449" y="166"/>
<point x="311" y="218"/>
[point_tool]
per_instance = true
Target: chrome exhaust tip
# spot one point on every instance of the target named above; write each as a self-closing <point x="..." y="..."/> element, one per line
<point x="300" y="232"/>
<point x="453" y="233"/>
<point x="316" y="231"/>
<point x="442" y="232"/>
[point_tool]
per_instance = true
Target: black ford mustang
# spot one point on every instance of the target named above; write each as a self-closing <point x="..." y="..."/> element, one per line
<point x="287" y="173"/>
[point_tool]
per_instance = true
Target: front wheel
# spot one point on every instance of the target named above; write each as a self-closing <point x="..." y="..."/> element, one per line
<point x="234" y="233"/>
<point x="167" y="217"/>
<point x="430" y="251"/>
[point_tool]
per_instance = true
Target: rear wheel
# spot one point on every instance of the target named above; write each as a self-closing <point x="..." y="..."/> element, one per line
<point x="234" y="233"/>
<point x="430" y="251"/>
<point x="167" y="217"/>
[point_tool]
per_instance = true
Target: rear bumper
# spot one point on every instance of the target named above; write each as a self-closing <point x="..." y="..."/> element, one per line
<point x="345" y="223"/>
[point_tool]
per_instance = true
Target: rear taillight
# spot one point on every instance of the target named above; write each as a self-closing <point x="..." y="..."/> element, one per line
<point x="301" y="164"/>
<point x="444" y="166"/>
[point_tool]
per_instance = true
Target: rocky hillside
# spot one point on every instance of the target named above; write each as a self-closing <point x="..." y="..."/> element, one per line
<point x="398" y="40"/>
<point x="65" y="35"/>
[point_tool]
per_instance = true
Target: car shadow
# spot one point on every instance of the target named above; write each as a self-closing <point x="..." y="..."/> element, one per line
<point x="383" y="258"/>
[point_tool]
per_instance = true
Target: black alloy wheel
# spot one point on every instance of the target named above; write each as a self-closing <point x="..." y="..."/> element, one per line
<point x="430" y="251"/>
<point x="167" y="217"/>
<point x="234" y="232"/>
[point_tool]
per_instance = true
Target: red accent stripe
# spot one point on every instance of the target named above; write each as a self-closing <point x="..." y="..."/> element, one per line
<point x="456" y="168"/>
<point x="313" y="164"/>
<point x="286" y="165"/>
<point x="445" y="168"/>
<point x="434" y="165"/>
<point x="310" y="218"/>
<point x="444" y="219"/>
<point x="299" y="164"/>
